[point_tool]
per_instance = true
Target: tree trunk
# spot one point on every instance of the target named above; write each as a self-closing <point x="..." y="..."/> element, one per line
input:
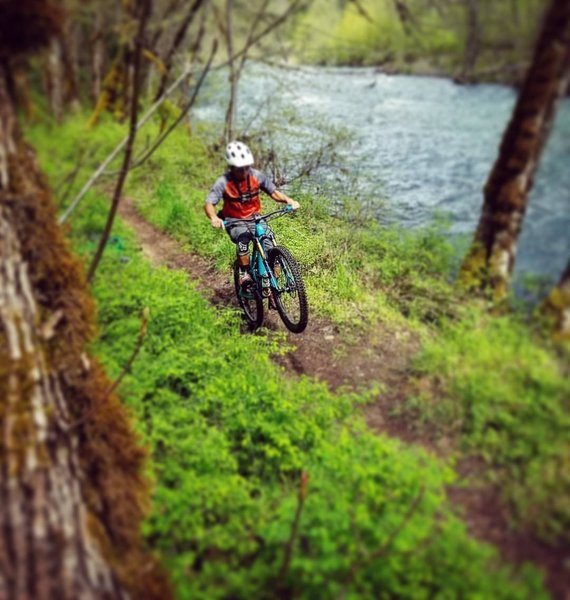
<point x="491" y="258"/>
<point x="68" y="45"/>
<point x="71" y="491"/>
<point x="557" y="307"/>
<point x="116" y="87"/>
<point x="472" y="40"/>
<point x="231" y="110"/>
<point x="23" y="92"/>
<point x="54" y="75"/>
<point x="136" y="66"/>
<point x="97" y="57"/>
<point x="61" y="75"/>
<point x="49" y="551"/>
<point x="174" y="47"/>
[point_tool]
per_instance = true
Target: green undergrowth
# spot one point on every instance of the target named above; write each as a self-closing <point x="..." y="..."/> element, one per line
<point x="230" y="437"/>
<point x="344" y="265"/>
<point x="509" y="399"/>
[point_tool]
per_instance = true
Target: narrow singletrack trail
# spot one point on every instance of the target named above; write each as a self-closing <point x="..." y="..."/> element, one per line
<point x="356" y="362"/>
<point x="320" y="351"/>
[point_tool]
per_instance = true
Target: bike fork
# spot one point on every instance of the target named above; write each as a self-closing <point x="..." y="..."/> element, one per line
<point x="263" y="268"/>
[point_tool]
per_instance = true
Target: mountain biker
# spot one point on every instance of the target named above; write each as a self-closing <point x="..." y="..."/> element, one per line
<point x="239" y="189"/>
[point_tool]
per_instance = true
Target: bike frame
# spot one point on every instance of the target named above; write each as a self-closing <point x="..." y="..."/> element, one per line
<point x="258" y="261"/>
<point x="282" y="285"/>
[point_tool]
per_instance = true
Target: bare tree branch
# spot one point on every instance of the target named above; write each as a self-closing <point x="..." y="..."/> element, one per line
<point x="178" y="39"/>
<point x="169" y="11"/>
<point x="251" y="40"/>
<point x="183" y="112"/>
<point x="362" y="11"/>
<point x="405" y="16"/>
<point x="301" y="497"/>
<point x="144" y="8"/>
<point x="294" y="7"/>
<point x="191" y="61"/>
<point x="136" y="350"/>
<point x="84" y="155"/>
<point x="101" y="168"/>
<point x="254" y="22"/>
<point x="231" y="110"/>
<point x="387" y="545"/>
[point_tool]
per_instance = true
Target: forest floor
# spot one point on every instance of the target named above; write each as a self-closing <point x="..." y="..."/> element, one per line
<point x="354" y="362"/>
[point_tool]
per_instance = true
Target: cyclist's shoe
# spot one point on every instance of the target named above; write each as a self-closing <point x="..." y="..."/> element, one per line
<point x="244" y="279"/>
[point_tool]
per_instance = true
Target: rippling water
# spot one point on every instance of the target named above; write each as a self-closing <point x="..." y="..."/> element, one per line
<point x="423" y="144"/>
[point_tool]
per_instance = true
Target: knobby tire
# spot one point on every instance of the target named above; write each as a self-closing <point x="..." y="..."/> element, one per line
<point x="250" y="301"/>
<point x="290" y="296"/>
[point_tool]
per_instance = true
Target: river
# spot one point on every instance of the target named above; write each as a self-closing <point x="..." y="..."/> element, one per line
<point x="420" y="146"/>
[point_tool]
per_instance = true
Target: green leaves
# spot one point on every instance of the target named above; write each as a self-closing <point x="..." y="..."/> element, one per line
<point x="511" y="402"/>
<point x="230" y="434"/>
<point x="229" y="438"/>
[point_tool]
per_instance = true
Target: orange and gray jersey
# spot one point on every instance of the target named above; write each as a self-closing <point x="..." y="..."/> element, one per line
<point x="241" y="199"/>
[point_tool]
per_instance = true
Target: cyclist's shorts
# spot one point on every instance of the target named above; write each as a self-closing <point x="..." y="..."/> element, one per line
<point x="242" y="233"/>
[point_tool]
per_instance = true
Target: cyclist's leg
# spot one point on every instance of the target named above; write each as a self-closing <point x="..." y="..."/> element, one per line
<point x="242" y="249"/>
<point x="240" y="236"/>
<point x="269" y="242"/>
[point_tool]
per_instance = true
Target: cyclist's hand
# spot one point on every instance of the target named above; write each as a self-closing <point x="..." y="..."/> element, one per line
<point x="294" y="204"/>
<point x="217" y="223"/>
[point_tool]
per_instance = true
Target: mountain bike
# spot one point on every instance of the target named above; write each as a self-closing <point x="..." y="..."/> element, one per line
<point x="276" y="276"/>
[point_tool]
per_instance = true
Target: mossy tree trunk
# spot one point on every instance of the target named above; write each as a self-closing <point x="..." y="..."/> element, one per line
<point x="116" y="87"/>
<point x="72" y="494"/>
<point x="490" y="261"/>
<point x="557" y="306"/>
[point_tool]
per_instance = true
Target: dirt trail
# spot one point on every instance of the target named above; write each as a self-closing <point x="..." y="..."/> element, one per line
<point x="320" y="351"/>
<point x="384" y="356"/>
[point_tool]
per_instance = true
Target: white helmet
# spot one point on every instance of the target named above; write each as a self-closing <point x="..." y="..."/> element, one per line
<point x="238" y="155"/>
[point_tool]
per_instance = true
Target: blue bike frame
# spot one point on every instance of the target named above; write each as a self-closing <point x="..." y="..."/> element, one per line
<point x="259" y="266"/>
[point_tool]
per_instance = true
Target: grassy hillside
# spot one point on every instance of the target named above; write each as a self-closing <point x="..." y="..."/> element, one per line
<point x="232" y="437"/>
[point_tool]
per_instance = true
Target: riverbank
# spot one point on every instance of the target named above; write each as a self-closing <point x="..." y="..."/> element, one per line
<point x="229" y="446"/>
<point x="411" y="150"/>
<point x="509" y="75"/>
<point x="454" y="41"/>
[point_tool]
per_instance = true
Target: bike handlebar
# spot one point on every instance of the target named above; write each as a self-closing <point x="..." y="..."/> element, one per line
<point x="256" y="219"/>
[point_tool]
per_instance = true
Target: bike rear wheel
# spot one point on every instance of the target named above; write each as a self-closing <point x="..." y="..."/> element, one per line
<point x="289" y="294"/>
<point x="250" y="301"/>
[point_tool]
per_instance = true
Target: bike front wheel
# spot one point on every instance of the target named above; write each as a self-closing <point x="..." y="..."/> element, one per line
<point x="289" y="293"/>
<point x="250" y="301"/>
